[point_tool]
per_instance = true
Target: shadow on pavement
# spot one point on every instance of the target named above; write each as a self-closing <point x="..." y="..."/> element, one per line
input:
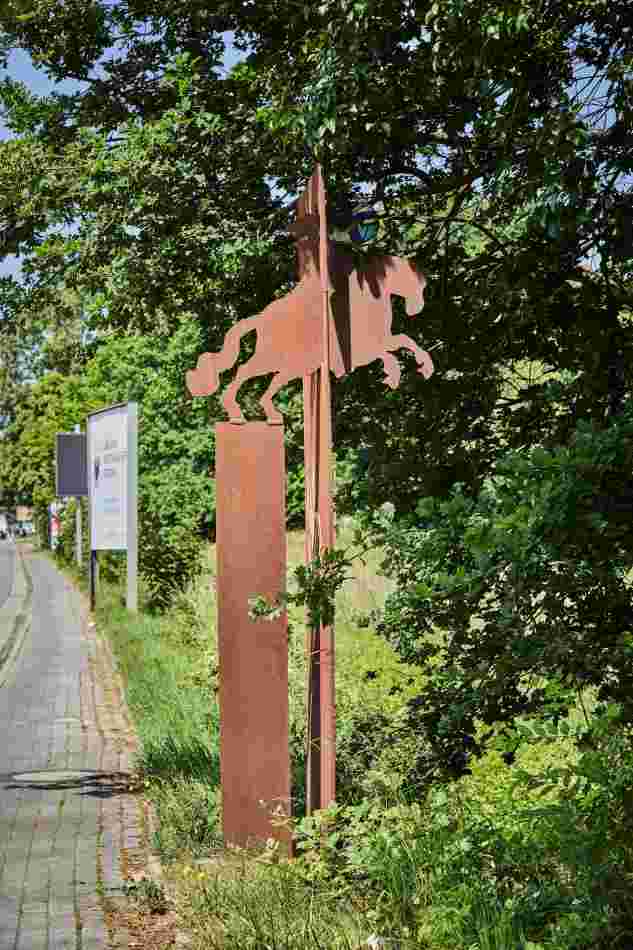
<point x="86" y="782"/>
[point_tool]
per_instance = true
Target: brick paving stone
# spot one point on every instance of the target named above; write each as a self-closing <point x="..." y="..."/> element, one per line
<point x="67" y="835"/>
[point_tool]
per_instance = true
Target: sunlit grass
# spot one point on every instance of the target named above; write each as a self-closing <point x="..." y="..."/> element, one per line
<point x="230" y="899"/>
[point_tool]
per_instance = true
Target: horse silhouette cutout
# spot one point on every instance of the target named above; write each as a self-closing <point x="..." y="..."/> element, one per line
<point x="289" y="330"/>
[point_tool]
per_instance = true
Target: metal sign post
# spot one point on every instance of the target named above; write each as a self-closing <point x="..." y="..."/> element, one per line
<point x="78" y="522"/>
<point x="132" y="507"/>
<point x="71" y="476"/>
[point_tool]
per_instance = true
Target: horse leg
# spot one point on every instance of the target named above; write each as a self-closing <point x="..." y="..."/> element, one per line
<point x="422" y="358"/>
<point x="273" y="416"/>
<point x="229" y="399"/>
<point x="392" y="370"/>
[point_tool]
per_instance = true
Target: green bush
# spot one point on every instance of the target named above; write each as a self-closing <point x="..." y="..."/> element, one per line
<point x="484" y="579"/>
<point x="549" y="868"/>
<point x="295" y="496"/>
<point x="170" y="555"/>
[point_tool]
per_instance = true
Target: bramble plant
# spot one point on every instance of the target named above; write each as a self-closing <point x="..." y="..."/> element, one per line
<point x="319" y="580"/>
<point x="317" y="584"/>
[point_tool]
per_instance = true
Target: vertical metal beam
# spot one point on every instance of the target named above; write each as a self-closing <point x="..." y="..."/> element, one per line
<point x="253" y="655"/>
<point x="94" y="566"/>
<point x="132" y="506"/>
<point x="78" y="538"/>
<point x="326" y="517"/>
<point x="313" y="636"/>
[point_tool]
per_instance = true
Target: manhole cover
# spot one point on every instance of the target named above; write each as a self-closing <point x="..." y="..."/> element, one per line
<point x="52" y="775"/>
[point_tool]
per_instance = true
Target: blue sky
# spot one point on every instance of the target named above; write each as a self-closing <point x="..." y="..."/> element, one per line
<point x="21" y="67"/>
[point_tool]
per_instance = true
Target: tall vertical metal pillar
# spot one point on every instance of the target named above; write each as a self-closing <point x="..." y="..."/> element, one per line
<point x="326" y="514"/>
<point x="132" y="507"/>
<point x="313" y="635"/>
<point x="253" y="654"/>
<point x="78" y="525"/>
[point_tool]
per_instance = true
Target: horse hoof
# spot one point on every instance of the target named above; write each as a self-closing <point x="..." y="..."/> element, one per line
<point x="235" y="415"/>
<point x="275" y="419"/>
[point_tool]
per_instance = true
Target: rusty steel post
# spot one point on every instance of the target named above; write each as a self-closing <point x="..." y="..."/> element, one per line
<point x="253" y="654"/>
<point x="326" y="515"/>
<point x="313" y="636"/>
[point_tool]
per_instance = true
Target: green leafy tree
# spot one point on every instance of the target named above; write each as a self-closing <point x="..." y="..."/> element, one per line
<point x="517" y="598"/>
<point x="27" y="457"/>
<point x="491" y="142"/>
<point x="176" y="451"/>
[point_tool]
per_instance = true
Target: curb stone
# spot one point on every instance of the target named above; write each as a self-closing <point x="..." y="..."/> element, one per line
<point x="137" y="825"/>
<point x="153" y="866"/>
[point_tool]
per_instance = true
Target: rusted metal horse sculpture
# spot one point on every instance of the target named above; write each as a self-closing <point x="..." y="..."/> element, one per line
<point x="289" y="330"/>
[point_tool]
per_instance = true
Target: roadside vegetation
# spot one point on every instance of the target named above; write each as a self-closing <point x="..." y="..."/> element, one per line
<point x="485" y="654"/>
<point x="525" y="851"/>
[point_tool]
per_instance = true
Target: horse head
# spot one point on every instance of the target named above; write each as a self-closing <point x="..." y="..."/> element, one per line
<point x="383" y="276"/>
<point x="406" y="280"/>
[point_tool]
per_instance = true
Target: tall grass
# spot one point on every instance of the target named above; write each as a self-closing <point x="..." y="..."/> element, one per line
<point x="169" y="664"/>
<point x="166" y="664"/>
<point x="427" y="873"/>
<point x="247" y="905"/>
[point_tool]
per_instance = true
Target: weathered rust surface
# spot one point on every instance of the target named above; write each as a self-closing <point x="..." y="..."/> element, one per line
<point x="313" y="635"/>
<point x="290" y="335"/>
<point x="324" y="502"/>
<point x="336" y="319"/>
<point x="253" y="655"/>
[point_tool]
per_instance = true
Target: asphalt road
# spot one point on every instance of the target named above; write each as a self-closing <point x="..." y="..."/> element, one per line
<point x="7" y="560"/>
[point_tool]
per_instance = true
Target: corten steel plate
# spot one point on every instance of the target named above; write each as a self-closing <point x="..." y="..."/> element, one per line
<point x="253" y="655"/>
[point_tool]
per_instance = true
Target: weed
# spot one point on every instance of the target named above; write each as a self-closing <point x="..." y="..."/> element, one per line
<point x="149" y="893"/>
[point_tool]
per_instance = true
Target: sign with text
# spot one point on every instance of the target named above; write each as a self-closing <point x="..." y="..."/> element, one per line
<point x="107" y="473"/>
<point x="113" y="486"/>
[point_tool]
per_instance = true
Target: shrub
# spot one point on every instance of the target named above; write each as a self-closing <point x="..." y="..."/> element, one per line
<point x="170" y="555"/>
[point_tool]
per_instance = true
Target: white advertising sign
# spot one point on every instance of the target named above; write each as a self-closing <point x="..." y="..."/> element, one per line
<point x="113" y="488"/>
<point x="107" y="475"/>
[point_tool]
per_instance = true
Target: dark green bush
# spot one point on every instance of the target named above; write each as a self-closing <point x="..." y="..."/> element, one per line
<point x="484" y="580"/>
<point x="170" y="555"/>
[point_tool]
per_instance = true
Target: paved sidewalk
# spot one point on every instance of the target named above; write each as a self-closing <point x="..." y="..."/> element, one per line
<point x="70" y="831"/>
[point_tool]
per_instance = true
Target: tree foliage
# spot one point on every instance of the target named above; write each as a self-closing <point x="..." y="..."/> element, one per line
<point x="492" y="143"/>
<point x="518" y="598"/>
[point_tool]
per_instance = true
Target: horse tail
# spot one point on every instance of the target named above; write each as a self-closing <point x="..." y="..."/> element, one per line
<point x="205" y="378"/>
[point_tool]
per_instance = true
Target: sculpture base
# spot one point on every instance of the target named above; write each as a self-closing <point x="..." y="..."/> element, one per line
<point x="253" y="654"/>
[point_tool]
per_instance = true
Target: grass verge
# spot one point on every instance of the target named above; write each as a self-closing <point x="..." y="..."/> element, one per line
<point x="474" y="866"/>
